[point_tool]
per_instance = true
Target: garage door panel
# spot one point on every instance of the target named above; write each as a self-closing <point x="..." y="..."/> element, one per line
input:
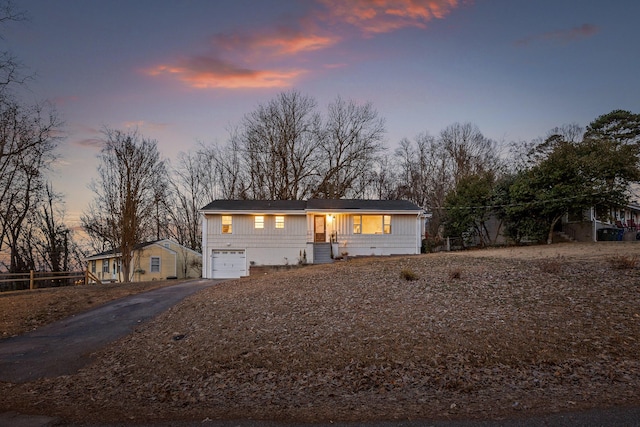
<point x="228" y="263"/>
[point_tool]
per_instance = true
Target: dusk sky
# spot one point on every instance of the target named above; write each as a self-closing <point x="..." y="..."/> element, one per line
<point x="183" y="72"/>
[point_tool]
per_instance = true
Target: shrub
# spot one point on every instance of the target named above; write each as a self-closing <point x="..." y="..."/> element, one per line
<point x="408" y="275"/>
<point x="551" y="266"/>
<point x="455" y="274"/>
<point x="623" y="262"/>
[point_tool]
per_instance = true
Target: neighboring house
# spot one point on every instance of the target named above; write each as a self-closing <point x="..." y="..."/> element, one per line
<point x="592" y="224"/>
<point x="157" y="260"/>
<point x="239" y="234"/>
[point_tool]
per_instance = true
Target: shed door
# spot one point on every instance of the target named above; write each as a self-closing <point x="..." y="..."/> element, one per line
<point x="228" y="263"/>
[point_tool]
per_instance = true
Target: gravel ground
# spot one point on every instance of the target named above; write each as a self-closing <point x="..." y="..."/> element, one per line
<point x="492" y="334"/>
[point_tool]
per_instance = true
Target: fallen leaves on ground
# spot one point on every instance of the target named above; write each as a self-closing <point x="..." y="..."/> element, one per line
<point x="514" y="331"/>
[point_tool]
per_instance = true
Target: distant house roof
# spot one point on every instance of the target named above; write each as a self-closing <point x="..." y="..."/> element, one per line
<point x="114" y="253"/>
<point x="311" y="205"/>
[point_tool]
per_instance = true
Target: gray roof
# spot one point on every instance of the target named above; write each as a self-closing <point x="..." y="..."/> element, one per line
<point x="252" y="205"/>
<point x="313" y="204"/>
<point x="354" y="204"/>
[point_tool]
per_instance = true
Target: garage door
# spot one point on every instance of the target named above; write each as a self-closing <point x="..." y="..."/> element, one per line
<point x="228" y="263"/>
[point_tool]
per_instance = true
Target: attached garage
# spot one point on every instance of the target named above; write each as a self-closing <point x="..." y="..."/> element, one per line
<point x="228" y="263"/>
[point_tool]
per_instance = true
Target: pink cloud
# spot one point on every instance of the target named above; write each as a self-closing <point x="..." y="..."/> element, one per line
<point x="90" y="143"/>
<point x="245" y="59"/>
<point x="283" y="41"/>
<point x="204" y="72"/>
<point x="210" y="71"/>
<point x="562" y="36"/>
<point x="383" y="16"/>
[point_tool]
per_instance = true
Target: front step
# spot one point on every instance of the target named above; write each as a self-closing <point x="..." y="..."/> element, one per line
<point x="322" y="253"/>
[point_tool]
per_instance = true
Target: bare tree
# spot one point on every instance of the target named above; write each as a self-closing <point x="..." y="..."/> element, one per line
<point x="10" y="68"/>
<point x="470" y="152"/>
<point x="189" y="195"/>
<point x="31" y="214"/>
<point x="225" y="169"/>
<point x="351" y="141"/>
<point x="430" y="168"/>
<point x="279" y="143"/>
<point x="284" y="150"/>
<point x="27" y="150"/>
<point x="382" y="184"/>
<point x="47" y="244"/>
<point x="131" y="179"/>
<point x="53" y="246"/>
<point x="421" y="166"/>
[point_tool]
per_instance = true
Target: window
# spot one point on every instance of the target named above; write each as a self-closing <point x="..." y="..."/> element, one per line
<point x="279" y="221"/>
<point x="372" y="224"/>
<point x="258" y="221"/>
<point x="105" y="266"/>
<point x="155" y="264"/>
<point x="93" y="266"/>
<point x="227" y="224"/>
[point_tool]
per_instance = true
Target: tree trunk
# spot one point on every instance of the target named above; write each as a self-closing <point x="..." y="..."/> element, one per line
<point x="553" y="225"/>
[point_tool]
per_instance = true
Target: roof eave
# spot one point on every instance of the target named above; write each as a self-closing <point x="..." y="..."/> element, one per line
<point x="253" y="212"/>
<point x="368" y="211"/>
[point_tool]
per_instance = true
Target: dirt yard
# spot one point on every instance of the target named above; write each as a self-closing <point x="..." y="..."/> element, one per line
<point x="485" y="334"/>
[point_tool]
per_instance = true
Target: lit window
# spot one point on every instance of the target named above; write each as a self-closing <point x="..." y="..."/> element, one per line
<point x="372" y="224"/>
<point x="279" y="221"/>
<point x="226" y="224"/>
<point x="155" y="264"/>
<point x="259" y="221"/>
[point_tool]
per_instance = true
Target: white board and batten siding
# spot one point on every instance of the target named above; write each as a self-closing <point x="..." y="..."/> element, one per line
<point x="404" y="237"/>
<point x="266" y="246"/>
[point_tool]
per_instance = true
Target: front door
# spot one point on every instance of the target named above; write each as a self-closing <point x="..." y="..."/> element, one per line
<point x="114" y="275"/>
<point x="320" y="231"/>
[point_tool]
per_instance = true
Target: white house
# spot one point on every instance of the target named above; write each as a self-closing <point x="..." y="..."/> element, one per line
<point x="238" y="234"/>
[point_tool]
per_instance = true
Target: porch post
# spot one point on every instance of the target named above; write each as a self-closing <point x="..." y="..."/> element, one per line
<point x="205" y="249"/>
<point x="595" y="224"/>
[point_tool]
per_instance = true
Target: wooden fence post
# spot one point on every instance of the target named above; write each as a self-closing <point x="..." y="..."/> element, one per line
<point x="31" y="281"/>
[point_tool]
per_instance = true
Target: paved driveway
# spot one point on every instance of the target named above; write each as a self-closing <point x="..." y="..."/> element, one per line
<point x="63" y="347"/>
